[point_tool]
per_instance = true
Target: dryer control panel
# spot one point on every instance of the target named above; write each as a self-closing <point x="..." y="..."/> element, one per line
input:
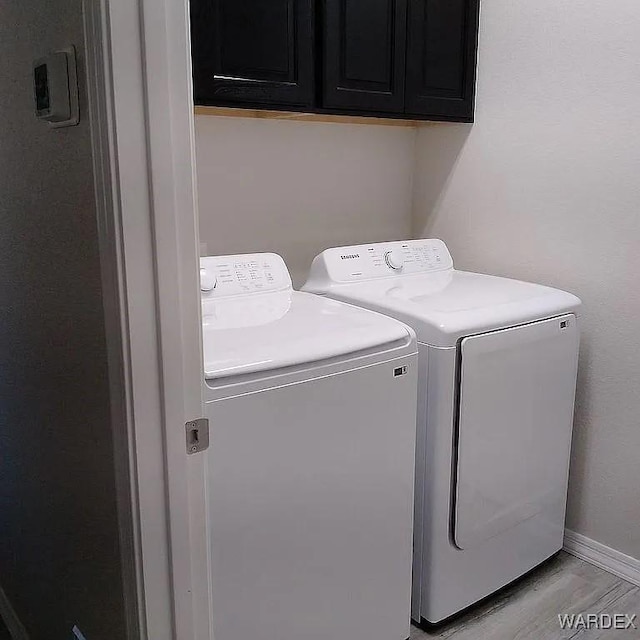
<point x="382" y="260"/>
<point x="223" y="276"/>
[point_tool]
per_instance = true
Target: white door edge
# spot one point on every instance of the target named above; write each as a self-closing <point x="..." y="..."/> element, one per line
<point x="100" y="107"/>
<point x="140" y="88"/>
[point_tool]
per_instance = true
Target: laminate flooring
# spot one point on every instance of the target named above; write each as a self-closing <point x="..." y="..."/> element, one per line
<point x="529" y="609"/>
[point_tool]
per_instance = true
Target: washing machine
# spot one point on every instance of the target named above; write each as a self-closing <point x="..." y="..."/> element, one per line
<point x="497" y="375"/>
<point x="310" y="479"/>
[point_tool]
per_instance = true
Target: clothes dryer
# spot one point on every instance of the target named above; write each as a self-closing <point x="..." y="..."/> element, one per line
<point x="497" y="375"/>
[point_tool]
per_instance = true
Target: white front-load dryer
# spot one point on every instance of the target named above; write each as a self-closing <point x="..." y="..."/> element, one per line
<point x="312" y="409"/>
<point x="497" y="374"/>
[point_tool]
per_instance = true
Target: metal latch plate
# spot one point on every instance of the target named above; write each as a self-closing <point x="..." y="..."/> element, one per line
<point x="197" y="434"/>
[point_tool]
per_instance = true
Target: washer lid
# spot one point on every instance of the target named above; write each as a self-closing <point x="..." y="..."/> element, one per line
<point x="273" y="330"/>
<point x="447" y="305"/>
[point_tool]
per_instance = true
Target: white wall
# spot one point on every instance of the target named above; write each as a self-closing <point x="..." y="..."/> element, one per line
<point x="297" y="188"/>
<point x="59" y="539"/>
<point x="546" y="186"/>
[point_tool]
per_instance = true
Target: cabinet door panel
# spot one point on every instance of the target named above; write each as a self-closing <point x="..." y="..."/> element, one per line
<point x="364" y="54"/>
<point x="441" y="58"/>
<point x="253" y="51"/>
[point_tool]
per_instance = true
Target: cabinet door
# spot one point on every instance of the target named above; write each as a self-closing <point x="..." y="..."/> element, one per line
<point x="441" y="58"/>
<point x="253" y="52"/>
<point x="364" y="54"/>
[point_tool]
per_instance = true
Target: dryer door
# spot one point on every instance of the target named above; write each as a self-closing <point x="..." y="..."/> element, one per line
<point x="514" y="427"/>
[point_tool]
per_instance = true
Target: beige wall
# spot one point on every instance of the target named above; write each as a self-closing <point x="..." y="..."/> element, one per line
<point x="59" y="539"/>
<point x="297" y="188"/>
<point x="546" y="186"/>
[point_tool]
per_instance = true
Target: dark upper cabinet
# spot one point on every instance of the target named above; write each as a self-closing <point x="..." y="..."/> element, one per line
<point x="400" y="58"/>
<point x="364" y="54"/>
<point x="253" y="52"/>
<point x="441" y="58"/>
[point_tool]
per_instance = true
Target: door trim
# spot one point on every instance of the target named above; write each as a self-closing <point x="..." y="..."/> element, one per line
<point x="138" y="56"/>
<point x="100" y="111"/>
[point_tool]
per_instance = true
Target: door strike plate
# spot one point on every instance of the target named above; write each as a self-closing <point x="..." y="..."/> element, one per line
<point x="197" y="433"/>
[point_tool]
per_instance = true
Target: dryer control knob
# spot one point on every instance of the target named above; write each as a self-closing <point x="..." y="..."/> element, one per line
<point x="394" y="260"/>
<point x="208" y="280"/>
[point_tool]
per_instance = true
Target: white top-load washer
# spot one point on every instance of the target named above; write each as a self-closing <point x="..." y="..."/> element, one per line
<point x="497" y="374"/>
<point x="312" y="409"/>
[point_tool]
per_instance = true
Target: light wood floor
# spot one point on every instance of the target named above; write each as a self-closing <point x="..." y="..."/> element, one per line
<point x="529" y="609"/>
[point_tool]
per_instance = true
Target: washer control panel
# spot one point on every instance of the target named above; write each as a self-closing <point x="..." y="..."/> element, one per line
<point x="384" y="260"/>
<point x="222" y="276"/>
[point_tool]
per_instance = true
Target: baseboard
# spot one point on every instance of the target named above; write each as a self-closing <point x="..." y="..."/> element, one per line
<point x="606" y="558"/>
<point x="10" y="618"/>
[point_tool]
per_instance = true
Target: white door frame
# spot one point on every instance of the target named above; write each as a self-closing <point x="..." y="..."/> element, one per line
<point x="140" y="96"/>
